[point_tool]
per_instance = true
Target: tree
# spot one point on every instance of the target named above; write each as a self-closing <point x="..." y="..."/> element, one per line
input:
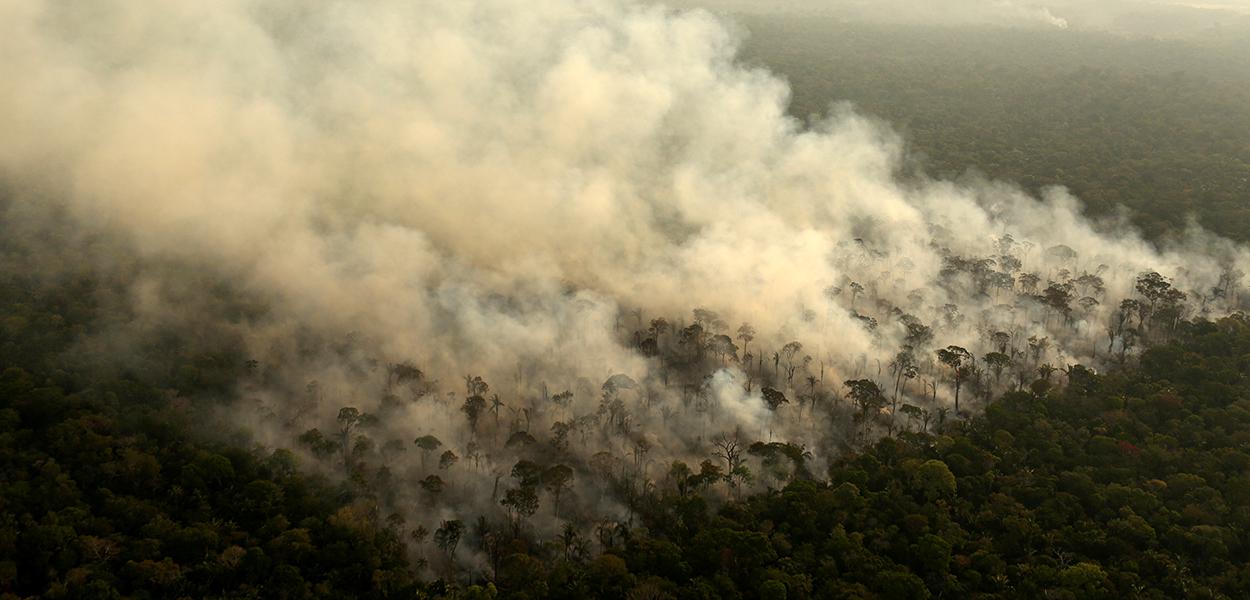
<point x="447" y="536"/>
<point x="1058" y="296"/>
<point x="692" y="337"/>
<point x="903" y="365"/>
<point x="789" y="351"/>
<point x="475" y="386"/>
<point x="556" y="479"/>
<point x="472" y="408"/>
<point x="527" y="473"/>
<point x="521" y="503"/>
<point x="709" y="473"/>
<point x="349" y="418"/>
<point x="1170" y="308"/>
<point x="773" y="398"/>
<point x="1038" y="347"/>
<point x="956" y="358"/>
<point x="728" y="449"/>
<point x="560" y="431"/>
<point x="705" y="318"/>
<point x="564" y="400"/>
<point x="935" y="480"/>
<point x="772" y="455"/>
<point x="1028" y="282"/>
<point x="914" y="413"/>
<point x="1045" y="370"/>
<point x="617" y="382"/>
<point x="918" y="334"/>
<point x="427" y="444"/>
<point x="317" y="442"/>
<point x="447" y="460"/>
<point x="746" y="334"/>
<point x="1086" y="580"/>
<point x="868" y="398"/>
<point x="723" y="346"/>
<point x="1061" y="254"/>
<point x="574" y="545"/>
<point x="433" y="485"/>
<point x="1121" y="319"/>
<point x="1090" y="284"/>
<point x="811" y="392"/>
<point x="997" y="363"/>
<point x="773" y="590"/>
<point x="865" y="393"/>
<point x="520" y="438"/>
<point x="495" y="404"/>
<point x="856" y="290"/>
<point x="1153" y="287"/>
<point x="658" y="328"/>
<point x="1001" y="340"/>
<point x="402" y="372"/>
<point x="1088" y="303"/>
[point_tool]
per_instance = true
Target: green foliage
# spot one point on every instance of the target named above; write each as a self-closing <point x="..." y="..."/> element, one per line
<point x="1130" y="484"/>
<point x="110" y="488"/>
<point x="935" y="480"/>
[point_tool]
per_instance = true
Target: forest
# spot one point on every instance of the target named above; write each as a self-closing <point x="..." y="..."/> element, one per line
<point x="1152" y="126"/>
<point x="1070" y="484"/>
<point x="597" y="300"/>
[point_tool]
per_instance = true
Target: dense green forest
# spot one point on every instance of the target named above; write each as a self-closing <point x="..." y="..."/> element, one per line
<point x="1156" y="126"/>
<point x="110" y="487"/>
<point x="1133" y="484"/>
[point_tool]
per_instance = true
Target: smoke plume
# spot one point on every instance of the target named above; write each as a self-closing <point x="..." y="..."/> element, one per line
<point x="437" y="202"/>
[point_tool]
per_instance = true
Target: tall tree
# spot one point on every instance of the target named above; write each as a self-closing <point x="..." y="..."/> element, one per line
<point x="957" y="359"/>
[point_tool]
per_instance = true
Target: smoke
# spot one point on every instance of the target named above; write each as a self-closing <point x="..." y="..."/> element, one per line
<point x="515" y="191"/>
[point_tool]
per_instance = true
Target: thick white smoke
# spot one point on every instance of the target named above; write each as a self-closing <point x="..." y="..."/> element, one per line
<point x="494" y="187"/>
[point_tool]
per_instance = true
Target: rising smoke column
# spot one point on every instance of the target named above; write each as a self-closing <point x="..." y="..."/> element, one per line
<point x="494" y="188"/>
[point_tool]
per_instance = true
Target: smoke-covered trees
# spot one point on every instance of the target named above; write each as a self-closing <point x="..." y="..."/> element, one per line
<point x="789" y="351"/>
<point x="986" y="484"/>
<point x="1153" y="287"/>
<point x="402" y="372"/>
<point x="595" y="445"/>
<point x="472" y="408"/>
<point x="990" y="486"/>
<point x="958" y="360"/>
<point x="556" y="480"/>
<point x="433" y="485"/>
<point x="746" y="334"/>
<point x="773" y="398"/>
<point x="997" y="362"/>
<point x="448" y="535"/>
<point x="427" y="444"/>
<point x="722" y="346"/>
